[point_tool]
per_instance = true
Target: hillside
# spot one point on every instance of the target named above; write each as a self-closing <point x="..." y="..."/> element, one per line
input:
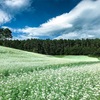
<point x="31" y="76"/>
<point x="16" y="59"/>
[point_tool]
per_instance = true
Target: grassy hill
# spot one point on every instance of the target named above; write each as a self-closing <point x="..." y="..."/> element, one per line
<point x="31" y="76"/>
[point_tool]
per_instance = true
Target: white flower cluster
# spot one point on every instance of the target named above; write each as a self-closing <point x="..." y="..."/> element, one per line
<point x="31" y="76"/>
<point x="75" y="83"/>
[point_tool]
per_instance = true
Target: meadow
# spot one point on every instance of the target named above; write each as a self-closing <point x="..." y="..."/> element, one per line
<point x="31" y="76"/>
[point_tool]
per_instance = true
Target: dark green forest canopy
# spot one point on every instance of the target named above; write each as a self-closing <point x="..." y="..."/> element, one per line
<point x="56" y="47"/>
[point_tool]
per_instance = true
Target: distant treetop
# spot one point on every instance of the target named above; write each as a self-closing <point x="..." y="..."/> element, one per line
<point x="5" y="33"/>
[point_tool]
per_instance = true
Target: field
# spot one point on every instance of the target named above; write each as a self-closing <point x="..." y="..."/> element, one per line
<point x="30" y="76"/>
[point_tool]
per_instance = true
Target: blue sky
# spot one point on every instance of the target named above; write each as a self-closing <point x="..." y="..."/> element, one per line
<point x="54" y="19"/>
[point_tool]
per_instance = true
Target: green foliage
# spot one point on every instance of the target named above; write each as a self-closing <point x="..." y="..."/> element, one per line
<point x="56" y="47"/>
<point x="5" y="33"/>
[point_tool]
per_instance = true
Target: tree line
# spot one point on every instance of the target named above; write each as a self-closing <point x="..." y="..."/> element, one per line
<point x="52" y="47"/>
<point x="56" y="47"/>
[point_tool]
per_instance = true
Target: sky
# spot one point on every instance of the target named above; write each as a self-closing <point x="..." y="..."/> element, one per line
<point x="51" y="19"/>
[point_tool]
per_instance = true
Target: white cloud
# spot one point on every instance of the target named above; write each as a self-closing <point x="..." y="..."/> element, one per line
<point x="46" y="29"/>
<point x="8" y="27"/>
<point x="4" y="17"/>
<point x="16" y="4"/>
<point x="81" y="22"/>
<point x="9" y="8"/>
<point x="71" y="35"/>
<point x="55" y="24"/>
<point x="23" y="37"/>
<point x="76" y="35"/>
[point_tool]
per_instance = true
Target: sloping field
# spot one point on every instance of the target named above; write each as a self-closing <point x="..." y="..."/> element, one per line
<point x="32" y="76"/>
<point x="12" y="60"/>
<point x="78" y="58"/>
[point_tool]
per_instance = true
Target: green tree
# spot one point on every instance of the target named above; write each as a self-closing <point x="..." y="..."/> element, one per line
<point x="5" y="33"/>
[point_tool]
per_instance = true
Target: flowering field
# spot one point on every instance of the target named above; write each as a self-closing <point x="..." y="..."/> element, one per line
<point x="30" y="76"/>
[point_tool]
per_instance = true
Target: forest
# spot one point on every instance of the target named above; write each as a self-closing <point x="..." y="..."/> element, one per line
<point x="89" y="47"/>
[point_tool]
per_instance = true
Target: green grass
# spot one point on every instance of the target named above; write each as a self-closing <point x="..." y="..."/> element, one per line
<point x="31" y="76"/>
<point x="78" y="58"/>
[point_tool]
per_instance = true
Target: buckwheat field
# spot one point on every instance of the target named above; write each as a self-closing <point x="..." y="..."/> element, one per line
<point x="31" y="76"/>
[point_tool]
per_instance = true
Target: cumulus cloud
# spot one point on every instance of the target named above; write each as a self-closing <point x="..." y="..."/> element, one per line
<point x="4" y="17"/>
<point x="15" y="5"/>
<point x="48" y="28"/>
<point x="81" y="22"/>
<point x="9" y="8"/>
